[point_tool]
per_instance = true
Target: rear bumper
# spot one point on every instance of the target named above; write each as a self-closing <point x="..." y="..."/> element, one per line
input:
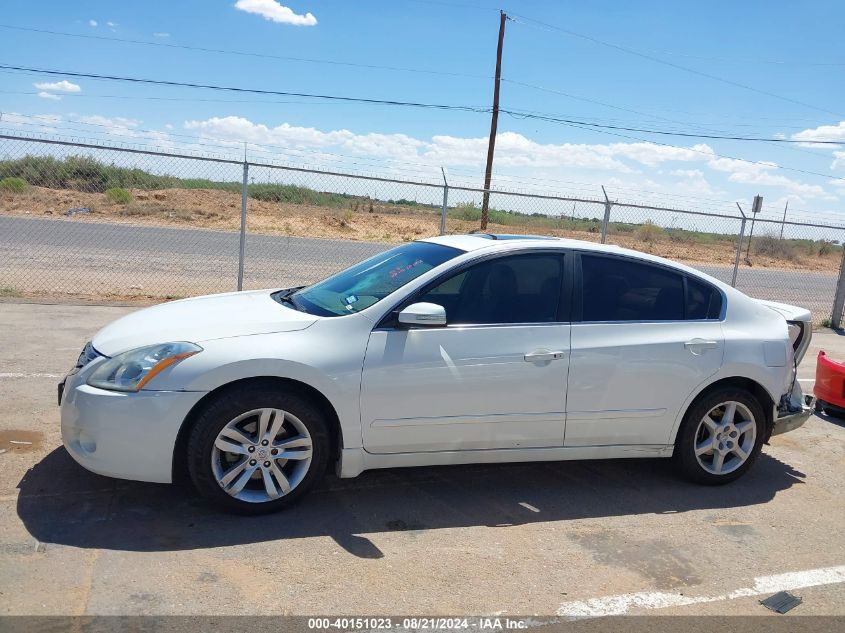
<point x="792" y="421"/>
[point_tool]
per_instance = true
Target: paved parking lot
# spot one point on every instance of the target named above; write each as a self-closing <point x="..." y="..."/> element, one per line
<point x="567" y="538"/>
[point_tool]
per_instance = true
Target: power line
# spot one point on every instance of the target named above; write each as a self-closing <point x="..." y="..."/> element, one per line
<point x="521" y="19"/>
<point x="224" y="51"/>
<point x="570" y="122"/>
<point x="733" y="60"/>
<point x="482" y="109"/>
<point x="528" y="115"/>
<point x="655" y="116"/>
<point x="183" y="84"/>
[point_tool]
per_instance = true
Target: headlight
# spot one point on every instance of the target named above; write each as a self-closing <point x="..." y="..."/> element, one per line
<point x="132" y="370"/>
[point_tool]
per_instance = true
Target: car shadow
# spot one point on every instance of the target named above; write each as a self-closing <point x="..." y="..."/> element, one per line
<point x="838" y="420"/>
<point x="61" y="503"/>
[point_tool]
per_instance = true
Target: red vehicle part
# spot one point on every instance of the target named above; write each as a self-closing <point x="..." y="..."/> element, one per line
<point x="830" y="382"/>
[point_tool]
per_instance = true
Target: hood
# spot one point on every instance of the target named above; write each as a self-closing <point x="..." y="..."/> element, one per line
<point x="201" y="319"/>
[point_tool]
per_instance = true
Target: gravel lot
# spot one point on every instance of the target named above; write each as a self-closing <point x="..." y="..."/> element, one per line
<point x="552" y="538"/>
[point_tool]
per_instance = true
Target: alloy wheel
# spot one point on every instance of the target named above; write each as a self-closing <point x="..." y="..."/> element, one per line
<point x="261" y="455"/>
<point x="725" y="438"/>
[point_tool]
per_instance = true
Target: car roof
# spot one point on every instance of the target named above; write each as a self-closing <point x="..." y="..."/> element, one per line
<point x="477" y="241"/>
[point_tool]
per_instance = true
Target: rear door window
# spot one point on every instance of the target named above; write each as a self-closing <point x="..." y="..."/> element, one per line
<point x="621" y="289"/>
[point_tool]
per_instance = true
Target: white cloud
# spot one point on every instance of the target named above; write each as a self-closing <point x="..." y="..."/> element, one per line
<point x="821" y="133"/>
<point x="275" y="12"/>
<point x="49" y="95"/>
<point x="111" y="24"/>
<point x="161" y="34"/>
<point x="838" y="160"/>
<point x="652" y="154"/>
<point x="59" y="86"/>
<point x="694" y="181"/>
<point x="762" y="173"/>
<point x="48" y="122"/>
<point x="513" y="150"/>
<point x="92" y="22"/>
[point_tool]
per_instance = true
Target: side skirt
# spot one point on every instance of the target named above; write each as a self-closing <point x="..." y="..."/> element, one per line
<point x="354" y="461"/>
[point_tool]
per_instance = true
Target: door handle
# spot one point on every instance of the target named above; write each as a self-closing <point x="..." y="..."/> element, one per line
<point x="698" y="346"/>
<point x="543" y="355"/>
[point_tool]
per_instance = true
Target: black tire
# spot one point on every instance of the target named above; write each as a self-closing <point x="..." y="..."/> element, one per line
<point x="228" y="406"/>
<point x="684" y="457"/>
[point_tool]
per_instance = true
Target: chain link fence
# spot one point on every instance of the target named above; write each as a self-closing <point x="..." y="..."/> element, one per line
<point x="85" y="221"/>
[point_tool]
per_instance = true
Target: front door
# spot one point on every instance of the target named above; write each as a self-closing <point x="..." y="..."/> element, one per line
<point x="494" y="377"/>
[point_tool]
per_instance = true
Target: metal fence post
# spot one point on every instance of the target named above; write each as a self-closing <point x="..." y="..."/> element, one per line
<point x="738" y="245"/>
<point x="445" y="202"/>
<point x="244" y="186"/>
<point x="606" y="220"/>
<point x="839" y="297"/>
<point x="738" y="251"/>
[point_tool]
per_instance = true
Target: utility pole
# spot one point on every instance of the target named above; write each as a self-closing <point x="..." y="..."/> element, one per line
<point x="786" y="206"/>
<point x="494" y="122"/>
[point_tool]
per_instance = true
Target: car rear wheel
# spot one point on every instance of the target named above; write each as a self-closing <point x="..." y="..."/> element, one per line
<point x="258" y="449"/>
<point x="720" y="437"/>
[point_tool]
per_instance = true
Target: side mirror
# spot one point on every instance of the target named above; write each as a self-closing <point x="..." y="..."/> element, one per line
<point x="424" y="314"/>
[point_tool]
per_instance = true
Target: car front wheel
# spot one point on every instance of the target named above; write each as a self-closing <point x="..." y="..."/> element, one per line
<point x="258" y="449"/>
<point x="720" y="437"/>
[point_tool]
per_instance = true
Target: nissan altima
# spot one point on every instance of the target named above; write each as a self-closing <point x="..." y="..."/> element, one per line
<point x="450" y="350"/>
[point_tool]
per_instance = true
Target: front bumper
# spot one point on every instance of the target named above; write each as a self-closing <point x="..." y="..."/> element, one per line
<point x="124" y="435"/>
<point x="792" y="421"/>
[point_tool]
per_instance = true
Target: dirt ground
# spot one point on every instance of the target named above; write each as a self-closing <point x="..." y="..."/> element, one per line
<point x="220" y="210"/>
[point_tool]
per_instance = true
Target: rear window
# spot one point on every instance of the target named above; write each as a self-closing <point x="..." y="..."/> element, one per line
<point x="703" y="300"/>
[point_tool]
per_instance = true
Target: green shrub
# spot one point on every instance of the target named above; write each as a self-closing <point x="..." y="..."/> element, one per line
<point x="296" y="195"/>
<point x="468" y="212"/>
<point x="13" y="184"/>
<point x="770" y="246"/>
<point x="649" y="232"/>
<point x="118" y="195"/>
<point x="825" y="248"/>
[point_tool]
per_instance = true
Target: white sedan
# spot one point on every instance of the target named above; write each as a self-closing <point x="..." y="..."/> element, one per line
<point x="449" y="350"/>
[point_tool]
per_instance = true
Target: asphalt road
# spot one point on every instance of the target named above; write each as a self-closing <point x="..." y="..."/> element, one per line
<point x="565" y="538"/>
<point x="81" y="257"/>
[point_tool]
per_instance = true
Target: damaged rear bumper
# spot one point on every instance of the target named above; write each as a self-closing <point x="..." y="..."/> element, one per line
<point x="791" y="421"/>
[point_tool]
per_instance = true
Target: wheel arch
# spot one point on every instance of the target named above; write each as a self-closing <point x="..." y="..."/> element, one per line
<point x="179" y="469"/>
<point x="767" y="401"/>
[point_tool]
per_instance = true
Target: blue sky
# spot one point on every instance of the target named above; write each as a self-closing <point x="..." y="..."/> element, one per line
<point x="790" y="50"/>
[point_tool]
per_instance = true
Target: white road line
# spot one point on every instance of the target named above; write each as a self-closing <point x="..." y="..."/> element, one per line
<point x="622" y="604"/>
<point x="33" y="375"/>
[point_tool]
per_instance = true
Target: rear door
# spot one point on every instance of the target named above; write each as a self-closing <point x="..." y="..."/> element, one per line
<point x="494" y="377"/>
<point x="643" y="338"/>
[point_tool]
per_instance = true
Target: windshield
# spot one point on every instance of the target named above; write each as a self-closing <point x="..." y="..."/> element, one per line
<point x="367" y="283"/>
